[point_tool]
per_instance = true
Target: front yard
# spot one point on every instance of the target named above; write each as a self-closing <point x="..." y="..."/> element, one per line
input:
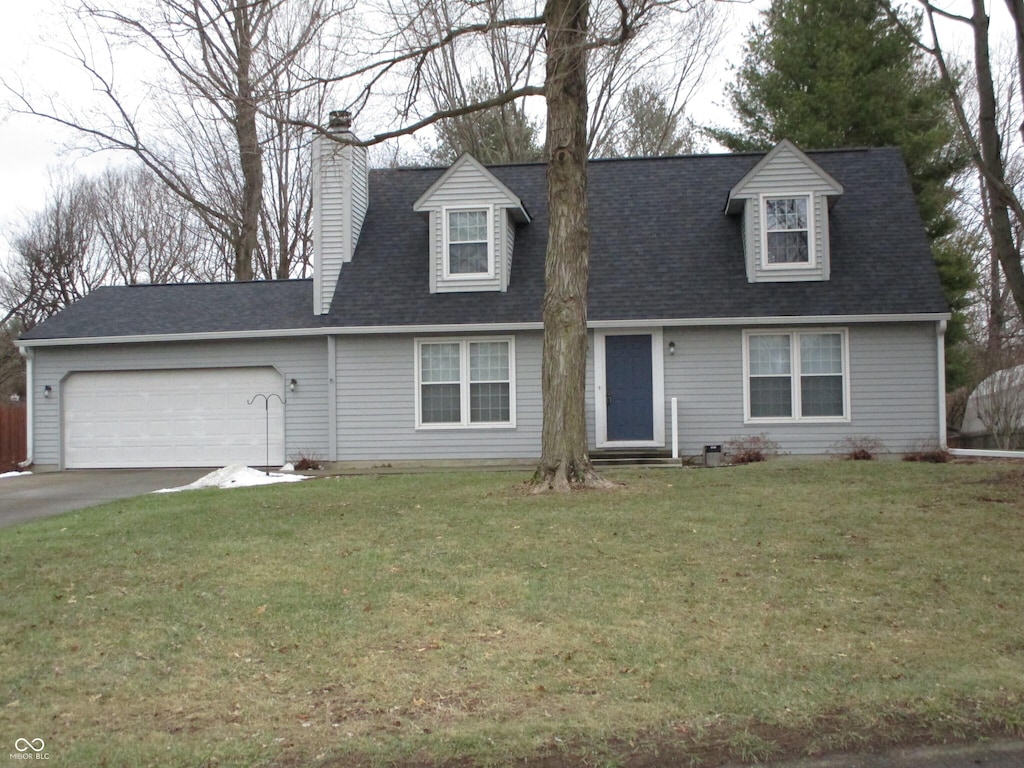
<point x="690" y="616"/>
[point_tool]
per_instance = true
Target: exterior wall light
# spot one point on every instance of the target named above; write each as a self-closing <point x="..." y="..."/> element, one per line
<point x="671" y="347"/>
<point x="292" y="385"/>
<point x="47" y="390"/>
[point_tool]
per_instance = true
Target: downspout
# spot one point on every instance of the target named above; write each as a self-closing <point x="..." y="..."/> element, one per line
<point x="332" y="398"/>
<point x="940" y="343"/>
<point x="30" y="393"/>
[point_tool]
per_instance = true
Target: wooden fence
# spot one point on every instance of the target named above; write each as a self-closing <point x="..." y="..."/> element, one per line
<point x="13" y="443"/>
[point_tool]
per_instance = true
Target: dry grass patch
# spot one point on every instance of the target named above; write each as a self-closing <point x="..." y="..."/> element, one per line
<point x="734" y="613"/>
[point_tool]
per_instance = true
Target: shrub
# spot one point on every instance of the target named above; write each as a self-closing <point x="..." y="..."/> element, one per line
<point x="858" y="448"/>
<point x="306" y="463"/>
<point x="929" y="453"/>
<point x="751" y="449"/>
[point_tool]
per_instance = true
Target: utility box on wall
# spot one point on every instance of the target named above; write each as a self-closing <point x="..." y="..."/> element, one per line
<point x="712" y="455"/>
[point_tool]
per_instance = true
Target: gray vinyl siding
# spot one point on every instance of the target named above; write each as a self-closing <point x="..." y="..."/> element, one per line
<point x="510" y="243"/>
<point x="818" y="210"/>
<point x="497" y="236"/>
<point x="893" y="380"/>
<point x="377" y="405"/>
<point x="303" y="360"/>
<point x="893" y="383"/>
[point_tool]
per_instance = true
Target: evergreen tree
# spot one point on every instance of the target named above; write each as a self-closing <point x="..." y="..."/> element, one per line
<point x="504" y="134"/>
<point x="843" y="73"/>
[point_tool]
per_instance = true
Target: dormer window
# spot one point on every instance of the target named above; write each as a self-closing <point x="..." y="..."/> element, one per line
<point x="785" y="201"/>
<point x="471" y="219"/>
<point x="787" y="232"/>
<point x="468" y="243"/>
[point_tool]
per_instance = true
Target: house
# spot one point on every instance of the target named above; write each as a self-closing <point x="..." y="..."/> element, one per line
<point x="786" y="293"/>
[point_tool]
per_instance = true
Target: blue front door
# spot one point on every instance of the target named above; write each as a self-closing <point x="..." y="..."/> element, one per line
<point x="629" y="379"/>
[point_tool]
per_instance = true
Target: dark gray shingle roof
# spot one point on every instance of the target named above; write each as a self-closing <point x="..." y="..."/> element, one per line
<point x="661" y="248"/>
<point x="146" y="310"/>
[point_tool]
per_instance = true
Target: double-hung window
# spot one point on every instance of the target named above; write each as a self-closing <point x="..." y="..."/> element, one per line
<point x="787" y="231"/>
<point x="465" y="382"/>
<point x="796" y="376"/>
<point x="468" y="250"/>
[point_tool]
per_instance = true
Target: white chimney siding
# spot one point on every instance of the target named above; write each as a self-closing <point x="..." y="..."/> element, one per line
<point x="340" y="197"/>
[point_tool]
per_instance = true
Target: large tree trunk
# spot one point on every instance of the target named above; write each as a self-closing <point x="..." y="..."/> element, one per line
<point x="564" y="459"/>
<point x="994" y="172"/>
<point x="249" y="152"/>
<point x="1016" y="8"/>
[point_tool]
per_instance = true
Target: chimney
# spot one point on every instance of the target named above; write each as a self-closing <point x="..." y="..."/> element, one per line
<point x="340" y="196"/>
<point x="339" y="121"/>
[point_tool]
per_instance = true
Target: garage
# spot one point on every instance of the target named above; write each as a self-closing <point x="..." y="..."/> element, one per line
<point x="172" y="418"/>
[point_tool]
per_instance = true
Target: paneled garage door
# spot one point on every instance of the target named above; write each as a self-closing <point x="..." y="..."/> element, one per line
<point x="179" y="418"/>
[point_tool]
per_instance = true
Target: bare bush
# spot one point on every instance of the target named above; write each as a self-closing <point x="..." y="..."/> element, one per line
<point x="751" y="449"/>
<point x="858" y="448"/>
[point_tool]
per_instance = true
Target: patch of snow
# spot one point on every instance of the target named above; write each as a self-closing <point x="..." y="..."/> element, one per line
<point x="288" y="467"/>
<point x="13" y="474"/>
<point x="236" y="476"/>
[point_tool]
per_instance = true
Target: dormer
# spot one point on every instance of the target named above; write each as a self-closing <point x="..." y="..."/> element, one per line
<point x="472" y="224"/>
<point x="785" y="201"/>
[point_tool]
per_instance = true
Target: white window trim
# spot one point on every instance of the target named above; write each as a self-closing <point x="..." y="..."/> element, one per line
<point x="794" y="386"/>
<point x="601" y="388"/>
<point x="812" y="255"/>
<point x="446" y="255"/>
<point x="464" y="388"/>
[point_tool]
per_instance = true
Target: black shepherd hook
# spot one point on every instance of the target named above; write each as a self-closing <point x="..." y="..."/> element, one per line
<point x="266" y="407"/>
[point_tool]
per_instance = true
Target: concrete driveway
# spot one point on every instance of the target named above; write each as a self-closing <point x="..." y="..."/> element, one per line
<point x="29" y="497"/>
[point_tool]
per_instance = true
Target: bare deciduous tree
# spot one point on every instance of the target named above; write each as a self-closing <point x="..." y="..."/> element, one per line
<point x="666" y="57"/>
<point x="222" y="65"/>
<point x="564" y="457"/>
<point x="12" y="369"/>
<point x="665" y="54"/>
<point x="55" y="260"/>
<point x="146" y="233"/>
<point x="646" y="125"/>
<point x="987" y="141"/>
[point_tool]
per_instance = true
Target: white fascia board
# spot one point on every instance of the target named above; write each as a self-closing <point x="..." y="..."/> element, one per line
<point x="282" y="333"/>
<point x="163" y="337"/>
<point x="770" y="321"/>
<point x="463" y="328"/>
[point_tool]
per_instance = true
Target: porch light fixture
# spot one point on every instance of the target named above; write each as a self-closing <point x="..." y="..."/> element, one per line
<point x="292" y="385"/>
<point x="671" y="347"/>
<point x="47" y="390"/>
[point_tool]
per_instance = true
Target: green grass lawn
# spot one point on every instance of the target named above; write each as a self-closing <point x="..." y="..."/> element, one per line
<point x="703" y="615"/>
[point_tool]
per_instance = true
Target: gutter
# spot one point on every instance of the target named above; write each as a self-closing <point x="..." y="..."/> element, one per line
<point x="29" y="356"/>
<point x="453" y="328"/>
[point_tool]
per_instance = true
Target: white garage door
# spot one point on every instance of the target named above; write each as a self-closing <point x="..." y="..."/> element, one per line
<point x="180" y="418"/>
